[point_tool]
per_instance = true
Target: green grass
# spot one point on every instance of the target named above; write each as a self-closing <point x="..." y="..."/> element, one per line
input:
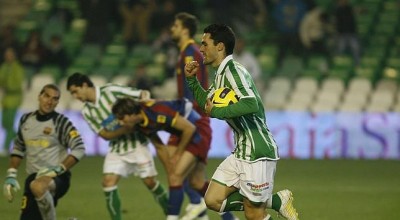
<point x="323" y="189"/>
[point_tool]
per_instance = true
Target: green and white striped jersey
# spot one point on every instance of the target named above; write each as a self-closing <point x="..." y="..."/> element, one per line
<point x="46" y="140"/>
<point x="252" y="138"/>
<point x="99" y="115"/>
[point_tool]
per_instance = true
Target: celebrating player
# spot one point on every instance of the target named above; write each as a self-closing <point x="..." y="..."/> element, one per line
<point x="244" y="180"/>
<point x="128" y="151"/>
<point x="44" y="138"/>
<point x="182" y="32"/>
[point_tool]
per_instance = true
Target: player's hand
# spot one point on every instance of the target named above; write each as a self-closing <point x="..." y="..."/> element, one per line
<point x="11" y="185"/>
<point x="191" y="68"/>
<point x="207" y="108"/>
<point x="51" y="171"/>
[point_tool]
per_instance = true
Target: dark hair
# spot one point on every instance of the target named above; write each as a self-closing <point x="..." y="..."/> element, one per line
<point x="77" y="79"/>
<point x="222" y="33"/>
<point x="125" y="106"/>
<point x="189" y="21"/>
<point x="51" y="86"/>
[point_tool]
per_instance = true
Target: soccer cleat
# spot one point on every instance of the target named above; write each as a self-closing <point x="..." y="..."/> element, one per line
<point x="287" y="210"/>
<point x="194" y="210"/>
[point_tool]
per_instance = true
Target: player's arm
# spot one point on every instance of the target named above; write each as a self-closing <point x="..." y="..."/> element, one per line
<point x="69" y="138"/>
<point x="109" y="135"/>
<point x="161" y="150"/>
<point x="200" y="95"/>
<point x="187" y="129"/>
<point x="244" y="106"/>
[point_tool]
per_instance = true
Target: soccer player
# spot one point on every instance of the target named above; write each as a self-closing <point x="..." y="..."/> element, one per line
<point x="244" y="180"/>
<point x="128" y="152"/>
<point x="188" y="132"/>
<point x="183" y="31"/>
<point x="52" y="146"/>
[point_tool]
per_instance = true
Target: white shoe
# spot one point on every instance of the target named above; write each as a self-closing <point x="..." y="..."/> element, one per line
<point x="194" y="210"/>
<point x="172" y="217"/>
<point x="287" y="210"/>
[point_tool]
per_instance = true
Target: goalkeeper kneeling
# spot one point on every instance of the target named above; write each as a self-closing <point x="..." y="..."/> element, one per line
<point x="51" y="145"/>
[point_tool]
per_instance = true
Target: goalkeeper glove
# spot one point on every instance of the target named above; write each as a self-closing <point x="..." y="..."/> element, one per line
<point x="51" y="171"/>
<point x="11" y="184"/>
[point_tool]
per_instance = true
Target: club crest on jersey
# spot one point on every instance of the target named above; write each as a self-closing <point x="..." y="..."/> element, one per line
<point x="188" y="59"/>
<point x="47" y="130"/>
<point x="161" y="119"/>
<point x="73" y="133"/>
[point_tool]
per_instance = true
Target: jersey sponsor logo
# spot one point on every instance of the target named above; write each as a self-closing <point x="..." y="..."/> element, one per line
<point x="47" y="130"/>
<point x="43" y="143"/>
<point x="189" y="59"/>
<point x="256" y="188"/>
<point x="161" y="119"/>
<point x="73" y="133"/>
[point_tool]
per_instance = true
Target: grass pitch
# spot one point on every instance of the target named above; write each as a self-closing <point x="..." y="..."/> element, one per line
<point x="323" y="190"/>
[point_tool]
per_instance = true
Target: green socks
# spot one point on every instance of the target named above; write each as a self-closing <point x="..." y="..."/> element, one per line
<point x="161" y="196"/>
<point x="113" y="202"/>
<point x="234" y="202"/>
<point x="276" y="202"/>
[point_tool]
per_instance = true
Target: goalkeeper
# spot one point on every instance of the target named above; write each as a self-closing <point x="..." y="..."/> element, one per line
<point x="51" y="145"/>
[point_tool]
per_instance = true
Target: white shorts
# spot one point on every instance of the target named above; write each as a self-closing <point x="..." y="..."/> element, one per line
<point x="255" y="181"/>
<point x="138" y="162"/>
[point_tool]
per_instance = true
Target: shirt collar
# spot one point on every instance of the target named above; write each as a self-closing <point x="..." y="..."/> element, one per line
<point x="183" y="47"/>
<point x="221" y="66"/>
<point x="96" y="101"/>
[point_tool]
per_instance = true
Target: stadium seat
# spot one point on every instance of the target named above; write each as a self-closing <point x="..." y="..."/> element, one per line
<point x="274" y="100"/>
<point x="332" y="84"/>
<point x="380" y="101"/>
<point x="326" y="101"/>
<point x="53" y="70"/>
<point x="306" y="84"/>
<point x="354" y="100"/>
<point x="291" y="67"/>
<point x="92" y="50"/>
<point x="121" y="79"/>
<point x="386" y="85"/>
<point x="84" y="62"/>
<point x="66" y="97"/>
<point x="41" y="79"/>
<point x="280" y="84"/>
<point x="116" y="50"/>
<point x="360" y="85"/>
<point x="98" y="80"/>
<point x="267" y="63"/>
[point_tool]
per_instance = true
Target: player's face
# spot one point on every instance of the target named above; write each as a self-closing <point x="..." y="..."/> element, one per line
<point x="130" y="120"/>
<point x="48" y="100"/>
<point x="209" y="51"/>
<point x="176" y="30"/>
<point x="79" y="92"/>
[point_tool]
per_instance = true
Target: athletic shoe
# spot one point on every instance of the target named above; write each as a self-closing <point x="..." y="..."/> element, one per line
<point x="194" y="210"/>
<point x="287" y="210"/>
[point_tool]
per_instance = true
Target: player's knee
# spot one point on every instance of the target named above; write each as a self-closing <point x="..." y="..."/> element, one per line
<point x="175" y="179"/>
<point x="37" y="188"/>
<point x="150" y="182"/>
<point x="212" y="203"/>
<point x="109" y="181"/>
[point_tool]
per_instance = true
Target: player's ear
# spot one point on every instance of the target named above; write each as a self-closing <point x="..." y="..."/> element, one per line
<point x="220" y="46"/>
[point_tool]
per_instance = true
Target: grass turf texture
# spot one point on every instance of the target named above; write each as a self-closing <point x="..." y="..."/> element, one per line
<point x="323" y="189"/>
